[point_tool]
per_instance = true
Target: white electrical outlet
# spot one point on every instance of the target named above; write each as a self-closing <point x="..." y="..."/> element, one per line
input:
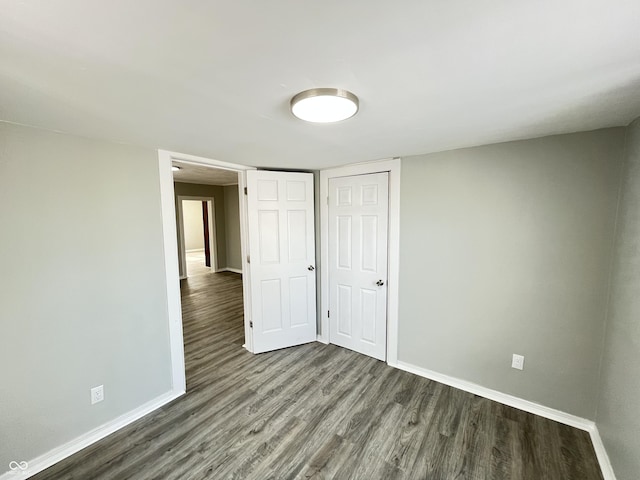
<point x="97" y="394"/>
<point x="517" y="362"/>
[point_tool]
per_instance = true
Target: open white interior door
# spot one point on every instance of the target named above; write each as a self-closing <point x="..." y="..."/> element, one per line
<point x="282" y="259"/>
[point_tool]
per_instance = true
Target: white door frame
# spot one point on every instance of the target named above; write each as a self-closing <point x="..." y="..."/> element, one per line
<point x="167" y="199"/>
<point x="393" y="167"/>
<point x="211" y="220"/>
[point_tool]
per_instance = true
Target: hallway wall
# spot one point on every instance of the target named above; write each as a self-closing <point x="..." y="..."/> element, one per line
<point x="232" y="227"/>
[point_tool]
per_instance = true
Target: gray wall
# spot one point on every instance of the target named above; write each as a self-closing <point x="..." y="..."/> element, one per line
<point x="506" y="249"/>
<point x="618" y="418"/>
<point x="232" y="227"/>
<point x="76" y="314"/>
<point x="198" y="190"/>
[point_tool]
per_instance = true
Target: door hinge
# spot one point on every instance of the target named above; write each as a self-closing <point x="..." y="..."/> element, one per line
<point x="327" y="200"/>
<point x="245" y="190"/>
<point x="248" y="258"/>
<point x="250" y="323"/>
<point x="328" y="314"/>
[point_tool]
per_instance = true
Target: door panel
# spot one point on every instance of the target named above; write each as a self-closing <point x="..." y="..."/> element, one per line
<point x="358" y="226"/>
<point x="282" y="259"/>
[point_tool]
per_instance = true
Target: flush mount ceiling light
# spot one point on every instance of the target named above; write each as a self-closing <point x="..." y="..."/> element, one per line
<point x="324" y="105"/>
<point x="174" y="168"/>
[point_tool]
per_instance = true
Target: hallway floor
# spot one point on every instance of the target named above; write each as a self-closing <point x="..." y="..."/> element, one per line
<point x="196" y="263"/>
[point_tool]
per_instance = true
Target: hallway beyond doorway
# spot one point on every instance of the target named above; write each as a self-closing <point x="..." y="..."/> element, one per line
<point x="196" y="263"/>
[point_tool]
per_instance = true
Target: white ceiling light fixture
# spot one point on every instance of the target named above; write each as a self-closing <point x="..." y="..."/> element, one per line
<point x="175" y="168"/>
<point x="324" y="105"/>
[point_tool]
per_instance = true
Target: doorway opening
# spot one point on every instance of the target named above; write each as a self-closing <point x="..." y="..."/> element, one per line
<point x="208" y="218"/>
<point x="197" y="235"/>
<point x="208" y="224"/>
<point x="211" y="279"/>
<point x="210" y="181"/>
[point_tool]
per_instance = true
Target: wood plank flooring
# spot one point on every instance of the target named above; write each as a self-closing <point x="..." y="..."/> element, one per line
<point x="319" y="412"/>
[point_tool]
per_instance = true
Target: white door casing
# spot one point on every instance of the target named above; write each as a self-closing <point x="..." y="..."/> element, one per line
<point x="358" y="234"/>
<point x="282" y="259"/>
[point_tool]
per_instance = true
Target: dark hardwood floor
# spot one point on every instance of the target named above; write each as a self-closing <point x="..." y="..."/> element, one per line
<point x="319" y="412"/>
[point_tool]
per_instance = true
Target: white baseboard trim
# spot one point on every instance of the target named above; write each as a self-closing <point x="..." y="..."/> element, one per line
<point x="57" y="454"/>
<point x="322" y="339"/>
<point x="229" y="269"/>
<point x="601" y="453"/>
<point x="195" y="250"/>
<point x="510" y="400"/>
<point x="521" y="404"/>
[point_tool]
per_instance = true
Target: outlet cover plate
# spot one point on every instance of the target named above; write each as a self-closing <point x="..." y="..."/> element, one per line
<point x="97" y="394"/>
<point x="517" y="362"/>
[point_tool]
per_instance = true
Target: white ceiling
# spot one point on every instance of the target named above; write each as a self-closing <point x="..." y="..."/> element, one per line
<point x="190" y="173"/>
<point x="214" y="78"/>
